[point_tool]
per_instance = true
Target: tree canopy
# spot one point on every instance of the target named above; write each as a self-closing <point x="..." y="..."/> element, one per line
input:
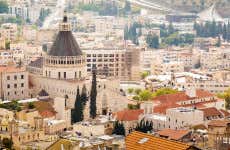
<point x="118" y="128"/>
<point x="3" y="6"/>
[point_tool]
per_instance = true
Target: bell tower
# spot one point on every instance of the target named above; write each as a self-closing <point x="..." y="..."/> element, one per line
<point x="65" y="25"/>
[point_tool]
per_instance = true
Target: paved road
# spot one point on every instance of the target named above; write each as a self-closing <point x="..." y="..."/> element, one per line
<point x="150" y="5"/>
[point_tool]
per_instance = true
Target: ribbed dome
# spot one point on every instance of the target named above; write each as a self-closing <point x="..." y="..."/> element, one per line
<point x="65" y="45"/>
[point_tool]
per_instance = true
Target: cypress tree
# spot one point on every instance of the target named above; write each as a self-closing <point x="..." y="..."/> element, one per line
<point x="77" y="112"/>
<point x="218" y="44"/>
<point x="84" y="97"/>
<point x="118" y="128"/>
<point x="228" y="32"/>
<point x="225" y="32"/>
<point x="93" y="96"/>
<point x="144" y="126"/>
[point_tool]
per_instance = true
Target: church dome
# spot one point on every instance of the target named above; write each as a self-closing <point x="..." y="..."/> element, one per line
<point x="65" y="43"/>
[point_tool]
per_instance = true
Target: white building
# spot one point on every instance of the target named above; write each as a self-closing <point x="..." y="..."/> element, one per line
<point x="179" y="118"/>
<point x="9" y="31"/>
<point x="215" y="58"/>
<point x="160" y="67"/>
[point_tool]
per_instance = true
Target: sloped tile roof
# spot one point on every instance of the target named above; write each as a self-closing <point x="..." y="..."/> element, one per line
<point x="211" y="111"/>
<point x="142" y="141"/>
<point x="170" y="100"/>
<point x="128" y="115"/>
<point x="219" y="123"/>
<point x="173" y="134"/>
<point x="45" y="109"/>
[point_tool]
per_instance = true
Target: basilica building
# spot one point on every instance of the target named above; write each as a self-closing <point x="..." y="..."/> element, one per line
<point x="62" y="70"/>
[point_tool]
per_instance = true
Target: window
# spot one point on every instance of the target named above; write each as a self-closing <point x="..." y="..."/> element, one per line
<point x="65" y="75"/>
<point x="22" y="76"/>
<point x="79" y="74"/>
<point x="15" y="93"/>
<point x="8" y="93"/>
<point x="8" y="77"/>
<point x="59" y="75"/>
<point x="8" y="86"/>
<point x="22" y="84"/>
<point x="15" y="77"/>
<point x="15" y="85"/>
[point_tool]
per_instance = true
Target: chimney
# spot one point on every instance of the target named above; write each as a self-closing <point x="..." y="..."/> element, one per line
<point x="191" y="92"/>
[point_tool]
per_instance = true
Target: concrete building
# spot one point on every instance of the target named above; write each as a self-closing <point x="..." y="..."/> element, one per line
<point x="14" y="83"/>
<point x="6" y="57"/>
<point x="9" y="31"/>
<point x="215" y="58"/>
<point x="179" y="118"/>
<point x="161" y="67"/>
<point x="123" y="62"/>
<point x="218" y="134"/>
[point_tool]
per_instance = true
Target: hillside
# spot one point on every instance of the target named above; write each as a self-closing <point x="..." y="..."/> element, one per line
<point x="223" y="6"/>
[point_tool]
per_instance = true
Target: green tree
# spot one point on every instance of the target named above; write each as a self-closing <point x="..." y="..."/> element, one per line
<point x="225" y="32"/>
<point x="7" y="143"/>
<point x="218" y="44"/>
<point x="127" y="7"/>
<point x="202" y="3"/>
<point x="7" y="44"/>
<point x="77" y="112"/>
<point x="84" y="97"/>
<point x="130" y="90"/>
<point x="164" y="91"/>
<point x="118" y="128"/>
<point x="144" y="126"/>
<point x="227" y="102"/>
<point x="3" y="6"/>
<point x="171" y="29"/>
<point x="31" y="105"/>
<point x="152" y="41"/>
<point x="137" y="91"/>
<point x="145" y="95"/>
<point x="93" y="96"/>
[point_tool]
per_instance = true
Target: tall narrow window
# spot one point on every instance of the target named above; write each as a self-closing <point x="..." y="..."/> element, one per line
<point x="75" y="76"/>
<point x="59" y="75"/>
<point x="64" y="75"/>
<point x="79" y="74"/>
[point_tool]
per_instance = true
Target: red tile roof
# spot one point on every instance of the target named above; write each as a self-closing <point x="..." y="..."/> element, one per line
<point x="142" y="141"/>
<point x="219" y="123"/>
<point x="128" y="115"/>
<point x="12" y="69"/>
<point x="173" y="134"/>
<point x="47" y="114"/>
<point x="211" y="111"/>
<point x="45" y="109"/>
<point x="225" y="113"/>
<point x="170" y="100"/>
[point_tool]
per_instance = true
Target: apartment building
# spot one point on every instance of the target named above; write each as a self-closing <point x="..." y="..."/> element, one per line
<point x="14" y="83"/>
<point x="9" y="31"/>
<point x="213" y="86"/>
<point x="215" y="58"/>
<point x="6" y="57"/>
<point x="161" y="67"/>
<point x="119" y="62"/>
